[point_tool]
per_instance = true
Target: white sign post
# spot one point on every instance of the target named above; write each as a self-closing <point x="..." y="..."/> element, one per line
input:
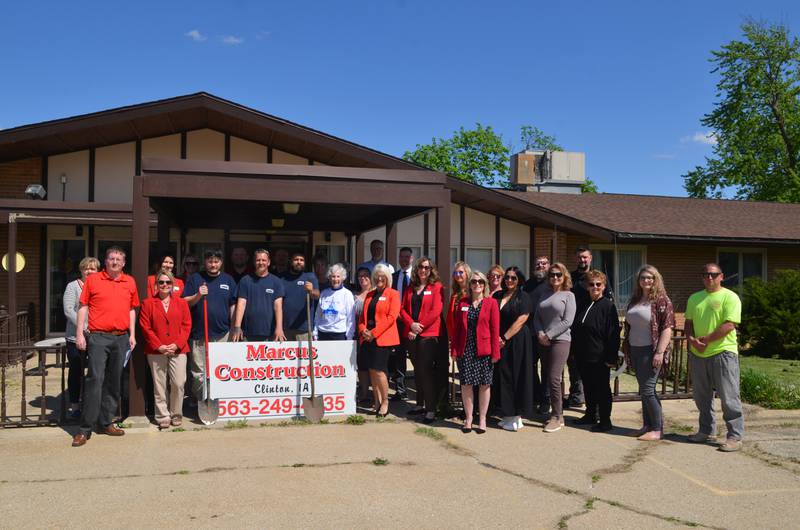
<point x="262" y="380"/>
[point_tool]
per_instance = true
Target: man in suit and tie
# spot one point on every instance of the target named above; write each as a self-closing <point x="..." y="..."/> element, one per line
<point x="397" y="363"/>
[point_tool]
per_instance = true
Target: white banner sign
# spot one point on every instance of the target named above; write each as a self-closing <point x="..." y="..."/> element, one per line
<point x="256" y="380"/>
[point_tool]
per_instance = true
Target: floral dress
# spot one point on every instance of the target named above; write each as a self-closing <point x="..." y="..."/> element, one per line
<point x="474" y="370"/>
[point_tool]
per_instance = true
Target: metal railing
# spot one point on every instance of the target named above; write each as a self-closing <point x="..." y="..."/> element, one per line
<point x="22" y="328"/>
<point x="24" y="376"/>
<point x="675" y="382"/>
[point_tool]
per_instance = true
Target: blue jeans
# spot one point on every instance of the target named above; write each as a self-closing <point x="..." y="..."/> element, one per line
<point x="647" y="376"/>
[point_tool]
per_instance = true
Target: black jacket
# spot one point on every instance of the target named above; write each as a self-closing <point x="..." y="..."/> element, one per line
<point x="595" y="332"/>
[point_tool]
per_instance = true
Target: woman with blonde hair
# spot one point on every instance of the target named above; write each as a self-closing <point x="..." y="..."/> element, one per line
<point x="551" y="324"/>
<point x="649" y="319"/>
<point x="476" y="347"/>
<point x="459" y="288"/>
<point x="495" y="279"/>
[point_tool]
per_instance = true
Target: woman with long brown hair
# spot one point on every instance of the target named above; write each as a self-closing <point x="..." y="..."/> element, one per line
<point x="649" y="319"/>
<point x="421" y="314"/>
<point x="459" y="288"/>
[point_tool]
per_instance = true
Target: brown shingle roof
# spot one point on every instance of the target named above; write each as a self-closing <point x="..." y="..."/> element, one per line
<point x="648" y="216"/>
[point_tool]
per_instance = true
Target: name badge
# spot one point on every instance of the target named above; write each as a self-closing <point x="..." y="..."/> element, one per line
<point x="465" y="309"/>
<point x="381" y="298"/>
<point x="301" y="282"/>
<point x="426" y="293"/>
<point x="270" y="291"/>
<point x="225" y="286"/>
<point x="176" y="288"/>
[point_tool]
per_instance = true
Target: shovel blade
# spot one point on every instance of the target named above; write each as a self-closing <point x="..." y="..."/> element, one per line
<point x="208" y="411"/>
<point x="313" y="408"/>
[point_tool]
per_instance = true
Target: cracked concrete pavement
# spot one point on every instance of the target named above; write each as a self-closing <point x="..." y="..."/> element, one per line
<point x="396" y="474"/>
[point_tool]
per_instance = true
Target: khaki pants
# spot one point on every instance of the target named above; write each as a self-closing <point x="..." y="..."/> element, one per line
<point x="162" y="367"/>
<point x="197" y="364"/>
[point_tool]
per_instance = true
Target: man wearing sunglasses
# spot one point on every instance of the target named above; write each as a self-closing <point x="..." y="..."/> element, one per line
<point x="711" y="318"/>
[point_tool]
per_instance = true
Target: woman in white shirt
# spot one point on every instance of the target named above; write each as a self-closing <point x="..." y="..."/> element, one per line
<point x="335" y="317"/>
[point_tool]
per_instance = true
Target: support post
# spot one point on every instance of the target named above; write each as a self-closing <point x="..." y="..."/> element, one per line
<point x="163" y="238"/>
<point x="359" y="250"/>
<point x="12" y="279"/>
<point x="497" y="239"/>
<point x="443" y="248"/>
<point x="426" y="227"/>
<point x="462" y="221"/>
<point x="141" y="258"/>
<point x="531" y="250"/>
<point x="390" y="256"/>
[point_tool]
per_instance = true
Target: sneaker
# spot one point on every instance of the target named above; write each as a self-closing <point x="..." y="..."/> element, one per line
<point x="553" y="425"/>
<point x="510" y="425"/>
<point x="701" y="438"/>
<point x="519" y="422"/>
<point x="731" y="445"/>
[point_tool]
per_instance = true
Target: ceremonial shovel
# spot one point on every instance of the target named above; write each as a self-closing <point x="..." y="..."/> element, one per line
<point x="313" y="407"/>
<point x="207" y="409"/>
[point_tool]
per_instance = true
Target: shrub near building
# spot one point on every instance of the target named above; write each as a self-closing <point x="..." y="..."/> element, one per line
<point x="771" y="315"/>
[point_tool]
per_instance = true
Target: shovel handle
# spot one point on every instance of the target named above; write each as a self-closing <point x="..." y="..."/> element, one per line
<point x="310" y="350"/>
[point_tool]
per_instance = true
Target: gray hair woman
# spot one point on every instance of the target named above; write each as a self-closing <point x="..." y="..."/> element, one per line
<point x="335" y="317"/>
<point x="72" y="295"/>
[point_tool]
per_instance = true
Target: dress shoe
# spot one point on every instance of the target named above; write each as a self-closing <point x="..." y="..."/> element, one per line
<point x="466" y="430"/>
<point x="112" y="430"/>
<point x="478" y="430"/>
<point x="79" y="439"/>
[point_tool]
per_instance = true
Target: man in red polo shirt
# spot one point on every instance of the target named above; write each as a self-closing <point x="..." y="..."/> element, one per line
<point x="108" y="300"/>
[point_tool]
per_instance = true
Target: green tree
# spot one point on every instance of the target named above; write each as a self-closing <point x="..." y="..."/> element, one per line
<point x="756" y="122"/>
<point x="476" y="155"/>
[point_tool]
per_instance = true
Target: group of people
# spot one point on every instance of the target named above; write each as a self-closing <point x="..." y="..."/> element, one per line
<point x="497" y="326"/>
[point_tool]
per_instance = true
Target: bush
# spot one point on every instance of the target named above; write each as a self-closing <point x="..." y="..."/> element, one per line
<point x="760" y="389"/>
<point x="770" y="315"/>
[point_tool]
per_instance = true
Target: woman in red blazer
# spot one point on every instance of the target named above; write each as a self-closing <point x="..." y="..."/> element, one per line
<point x="377" y="329"/>
<point x="422" y="314"/>
<point x="166" y="322"/>
<point x="476" y="346"/>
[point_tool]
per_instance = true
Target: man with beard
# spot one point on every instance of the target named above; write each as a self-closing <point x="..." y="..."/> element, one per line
<point x="259" y="309"/>
<point x="296" y="284"/>
<point x="534" y="287"/>
<point x="583" y="261"/>
<point x="239" y="264"/>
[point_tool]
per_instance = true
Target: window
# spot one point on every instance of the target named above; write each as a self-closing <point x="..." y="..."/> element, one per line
<point x="453" y="255"/>
<point x="739" y="264"/>
<point x="416" y="251"/>
<point x="334" y="253"/>
<point x="514" y="257"/>
<point x="620" y="265"/>
<point x="480" y="259"/>
<point x="65" y="255"/>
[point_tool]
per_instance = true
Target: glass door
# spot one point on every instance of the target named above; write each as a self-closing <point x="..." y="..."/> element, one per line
<point x="65" y="250"/>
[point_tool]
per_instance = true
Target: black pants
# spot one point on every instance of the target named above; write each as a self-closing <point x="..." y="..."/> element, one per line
<point x="101" y="388"/>
<point x="423" y="352"/>
<point x="397" y="367"/>
<point x="575" y="384"/>
<point x="597" y="388"/>
<point x="75" y="377"/>
<point x="541" y="392"/>
<point x="332" y="335"/>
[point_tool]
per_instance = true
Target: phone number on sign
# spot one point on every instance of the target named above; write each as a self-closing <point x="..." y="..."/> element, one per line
<point x="273" y="407"/>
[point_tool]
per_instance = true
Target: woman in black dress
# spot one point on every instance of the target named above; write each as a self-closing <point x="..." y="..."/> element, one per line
<point x="516" y="362"/>
<point x="476" y="346"/>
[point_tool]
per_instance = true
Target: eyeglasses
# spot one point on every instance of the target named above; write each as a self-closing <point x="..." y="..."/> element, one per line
<point x="476" y="282"/>
<point x="596" y="284"/>
<point x="712" y="275"/>
<point x="511" y="278"/>
<point x="495" y="276"/>
<point x="646" y="278"/>
<point x="424" y="267"/>
<point x="555" y="274"/>
<point x="164" y="282"/>
<point x="458" y="273"/>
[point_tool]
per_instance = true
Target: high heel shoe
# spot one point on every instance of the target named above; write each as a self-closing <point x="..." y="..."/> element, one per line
<point x="379" y="414"/>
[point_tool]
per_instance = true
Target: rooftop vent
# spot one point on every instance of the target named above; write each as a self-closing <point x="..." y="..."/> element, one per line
<point x="548" y="171"/>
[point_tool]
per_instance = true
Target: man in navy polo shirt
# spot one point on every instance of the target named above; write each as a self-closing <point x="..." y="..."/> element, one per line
<point x="219" y="289"/>
<point x="259" y="310"/>
<point x="297" y="283"/>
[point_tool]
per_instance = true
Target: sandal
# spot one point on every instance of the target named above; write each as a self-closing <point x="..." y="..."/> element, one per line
<point x="176" y="422"/>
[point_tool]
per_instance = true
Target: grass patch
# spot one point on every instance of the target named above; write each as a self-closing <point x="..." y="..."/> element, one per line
<point x="430" y="432"/>
<point x="595" y="479"/>
<point x="782" y="370"/>
<point x="182" y="472"/>
<point x="178" y="429"/>
<point x="590" y="504"/>
<point x="380" y="462"/>
<point x="298" y="465"/>
<point x="355" y="419"/>
<point x="124" y="425"/>
<point x="236" y="424"/>
<point x="681" y="428"/>
<point x="769" y="391"/>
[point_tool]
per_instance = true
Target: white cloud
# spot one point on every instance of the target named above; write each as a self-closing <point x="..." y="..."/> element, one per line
<point x="195" y="35"/>
<point x="707" y="138"/>
<point x="232" y="40"/>
<point x="664" y="156"/>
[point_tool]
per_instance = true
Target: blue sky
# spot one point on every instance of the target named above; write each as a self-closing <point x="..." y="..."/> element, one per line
<point x="624" y="82"/>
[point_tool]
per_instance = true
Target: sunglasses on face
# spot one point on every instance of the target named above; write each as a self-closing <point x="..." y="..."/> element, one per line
<point x="458" y="273"/>
<point x="646" y="278"/>
<point x="477" y="282"/>
<point x="555" y="274"/>
<point x="424" y="267"/>
<point x="511" y="278"/>
<point x="712" y="275"/>
<point x="164" y="282"/>
<point x="596" y="284"/>
<point x="495" y="276"/>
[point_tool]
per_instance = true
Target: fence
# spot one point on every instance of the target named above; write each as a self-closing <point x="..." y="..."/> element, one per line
<point x="26" y="373"/>
<point x="23" y="329"/>
<point x="675" y="380"/>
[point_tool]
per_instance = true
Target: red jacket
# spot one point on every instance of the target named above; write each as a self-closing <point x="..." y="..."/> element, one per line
<point x="386" y="313"/>
<point x="430" y="313"/>
<point x="488" y="329"/>
<point x="160" y="327"/>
